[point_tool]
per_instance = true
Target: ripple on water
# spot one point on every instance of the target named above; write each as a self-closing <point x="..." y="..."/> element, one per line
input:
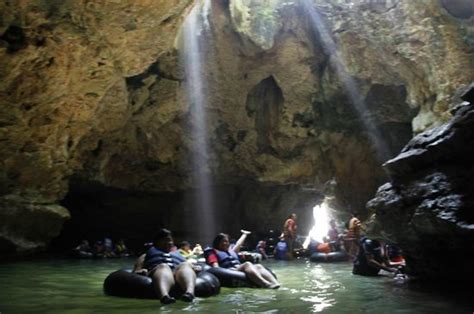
<point x="70" y="286"/>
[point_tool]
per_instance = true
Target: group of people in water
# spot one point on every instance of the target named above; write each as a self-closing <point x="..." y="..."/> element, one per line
<point x="368" y="255"/>
<point x="169" y="265"/>
<point x="102" y="248"/>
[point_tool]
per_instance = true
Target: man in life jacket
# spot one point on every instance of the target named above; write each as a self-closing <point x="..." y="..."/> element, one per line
<point x="221" y="255"/>
<point x="371" y="259"/>
<point x="352" y="236"/>
<point x="166" y="268"/>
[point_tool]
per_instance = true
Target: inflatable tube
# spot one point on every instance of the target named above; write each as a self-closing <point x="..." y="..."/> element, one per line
<point x="232" y="278"/>
<point x="329" y="257"/>
<point x="252" y="257"/>
<point x="124" y="283"/>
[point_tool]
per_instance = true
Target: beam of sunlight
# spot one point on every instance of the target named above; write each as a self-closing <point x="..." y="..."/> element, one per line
<point x="193" y="58"/>
<point x="338" y="64"/>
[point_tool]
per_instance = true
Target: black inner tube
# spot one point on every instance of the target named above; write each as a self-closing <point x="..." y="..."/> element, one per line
<point x="329" y="257"/>
<point x="233" y="278"/>
<point x="124" y="283"/>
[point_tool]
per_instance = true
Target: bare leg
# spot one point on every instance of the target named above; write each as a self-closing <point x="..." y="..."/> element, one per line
<point x="274" y="284"/>
<point x="289" y="246"/>
<point x="163" y="280"/>
<point x="186" y="278"/>
<point x="254" y="275"/>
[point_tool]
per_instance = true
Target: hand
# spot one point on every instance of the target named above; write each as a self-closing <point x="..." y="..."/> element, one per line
<point x="197" y="268"/>
<point x="245" y="231"/>
<point x="142" y="272"/>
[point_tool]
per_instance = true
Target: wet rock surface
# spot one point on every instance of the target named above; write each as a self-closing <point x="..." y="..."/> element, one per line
<point x="427" y="206"/>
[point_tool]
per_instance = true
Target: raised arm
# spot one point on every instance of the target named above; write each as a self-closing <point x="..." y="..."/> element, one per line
<point x="241" y="240"/>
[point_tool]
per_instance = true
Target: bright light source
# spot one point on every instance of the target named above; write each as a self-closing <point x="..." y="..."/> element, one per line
<point x="321" y="223"/>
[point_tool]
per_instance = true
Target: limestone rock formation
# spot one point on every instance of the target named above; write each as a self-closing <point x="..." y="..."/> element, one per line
<point x="427" y="206"/>
<point x="63" y="66"/>
<point x="257" y="21"/>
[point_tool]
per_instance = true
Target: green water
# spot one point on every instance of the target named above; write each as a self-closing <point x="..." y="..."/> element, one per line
<point x="75" y="286"/>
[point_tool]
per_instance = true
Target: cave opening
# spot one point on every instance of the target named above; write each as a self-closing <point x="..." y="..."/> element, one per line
<point x="321" y="216"/>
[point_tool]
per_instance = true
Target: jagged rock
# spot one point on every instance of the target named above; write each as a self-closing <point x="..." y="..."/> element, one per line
<point x="28" y="226"/>
<point x="427" y="206"/>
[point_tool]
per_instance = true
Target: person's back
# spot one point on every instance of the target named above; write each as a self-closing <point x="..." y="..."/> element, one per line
<point x="281" y="250"/>
<point x="289" y="234"/>
<point x="370" y="259"/>
<point x="352" y="236"/>
<point x="289" y="227"/>
<point x="353" y="228"/>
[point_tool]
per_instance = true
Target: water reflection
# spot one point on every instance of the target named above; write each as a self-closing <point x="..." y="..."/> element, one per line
<point x="320" y="284"/>
<point x="68" y="286"/>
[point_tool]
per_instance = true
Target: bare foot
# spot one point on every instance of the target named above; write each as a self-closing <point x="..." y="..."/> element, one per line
<point x="273" y="286"/>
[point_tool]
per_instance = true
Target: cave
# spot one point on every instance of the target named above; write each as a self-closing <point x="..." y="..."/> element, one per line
<point x="98" y="211"/>
<point x="119" y="118"/>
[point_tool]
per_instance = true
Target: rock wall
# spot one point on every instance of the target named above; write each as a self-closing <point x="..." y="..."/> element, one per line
<point x="427" y="206"/>
<point x="92" y="90"/>
<point x="63" y="68"/>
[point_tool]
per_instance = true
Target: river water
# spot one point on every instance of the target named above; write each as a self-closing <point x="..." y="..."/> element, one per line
<point x="75" y="286"/>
